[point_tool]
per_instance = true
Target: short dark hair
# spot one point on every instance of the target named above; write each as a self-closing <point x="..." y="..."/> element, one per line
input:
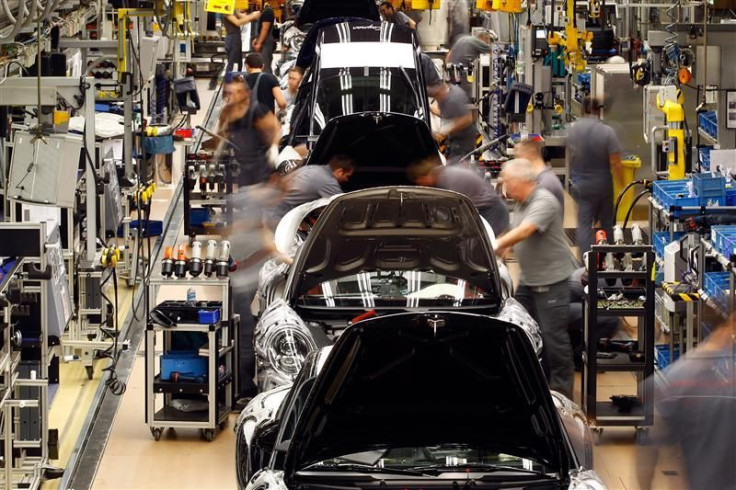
<point x="297" y="69"/>
<point x="388" y="4"/>
<point x="592" y="105"/>
<point x="341" y="161"/>
<point x="422" y="168"/>
<point x="254" y="60"/>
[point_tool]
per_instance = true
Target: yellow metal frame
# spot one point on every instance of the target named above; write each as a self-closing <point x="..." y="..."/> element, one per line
<point x="674" y="115"/>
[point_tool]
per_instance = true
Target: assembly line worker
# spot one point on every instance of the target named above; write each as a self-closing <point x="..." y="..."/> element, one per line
<point x="253" y="130"/>
<point x="312" y="182"/>
<point x="694" y="408"/>
<point x="595" y="162"/>
<point x="541" y="249"/>
<point x="531" y="149"/>
<point x="264" y="41"/>
<point x="264" y="87"/>
<point x="295" y="76"/>
<point x="467" y="49"/>
<point x="432" y="79"/>
<point x="233" y="41"/>
<point x="467" y="182"/>
<point x="390" y="14"/>
<point x="457" y="122"/>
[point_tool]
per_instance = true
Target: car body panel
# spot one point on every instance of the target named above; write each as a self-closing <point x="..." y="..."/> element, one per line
<point x="316" y="10"/>
<point x="388" y="382"/>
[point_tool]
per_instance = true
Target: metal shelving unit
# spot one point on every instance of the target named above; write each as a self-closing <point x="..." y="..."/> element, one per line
<point x="216" y="387"/>
<point x="602" y="413"/>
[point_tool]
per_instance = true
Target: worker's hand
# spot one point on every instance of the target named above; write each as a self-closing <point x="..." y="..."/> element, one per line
<point x="257" y="46"/>
<point x="438" y="137"/>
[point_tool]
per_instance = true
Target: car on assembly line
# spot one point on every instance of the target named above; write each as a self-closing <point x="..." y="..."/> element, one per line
<point x="369" y="253"/>
<point x="443" y="399"/>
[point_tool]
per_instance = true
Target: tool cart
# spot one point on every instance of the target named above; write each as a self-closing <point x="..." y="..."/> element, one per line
<point x="625" y="288"/>
<point x="189" y="383"/>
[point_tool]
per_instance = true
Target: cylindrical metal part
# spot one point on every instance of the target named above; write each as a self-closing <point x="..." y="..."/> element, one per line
<point x="222" y="259"/>
<point x="180" y="265"/>
<point x="210" y="254"/>
<point x="195" y="259"/>
<point x="167" y="264"/>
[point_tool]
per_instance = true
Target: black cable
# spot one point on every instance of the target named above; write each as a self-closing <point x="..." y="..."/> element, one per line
<point x="113" y="383"/>
<point x="621" y="195"/>
<point x="633" y="204"/>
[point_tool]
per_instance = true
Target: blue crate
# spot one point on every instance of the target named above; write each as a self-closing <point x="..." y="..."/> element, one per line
<point x="708" y="122"/>
<point x="199" y="216"/>
<point x="661" y="239"/>
<point x="150" y="228"/>
<point x="188" y="363"/>
<point x="663" y="355"/>
<point x="707" y="184"/>
<point x="671" y="193"/>
<point x="723" y="238"/>
<point x="730" y="195"/>
<point x="715" y="285"/>
<point x="704" y="157"/>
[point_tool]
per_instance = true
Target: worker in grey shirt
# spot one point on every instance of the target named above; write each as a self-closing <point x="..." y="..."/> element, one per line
<point x="546" y="265"/>
<point x="458" y="126"/>
<point x="466" y="50"/>
<point x="695" y="404"/>
<point x="531" y="149"/>
<point x="432" y="79"/>
<point x="390" y="14"/>
<point x="312" y="182"/>
<point x="595" y="163"/>
<point x="467" y="182"/>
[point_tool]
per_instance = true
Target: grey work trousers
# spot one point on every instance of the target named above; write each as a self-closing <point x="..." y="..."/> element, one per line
<point x="269" y="46"/>
<point x="242" y="299"/>
<point x="549" y="305"/>
<point x="234" y="50"/>
<point x="592" y="208"/>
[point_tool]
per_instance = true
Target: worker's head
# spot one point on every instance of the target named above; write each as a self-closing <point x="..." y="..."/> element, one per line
<point x="440" y="91"/>
<point x="253" y="62"/>
<point x="592" y="106"/>
<point x="295" y="78"/>
<point x="519" y="179"/>
<point x="235" y="90"/>
<point x="529" y="149"/>
<point x="424" y="172"/>
<point x="387" y="10"/>
<point x="342" y="167"/>
<point x="487" y="36"/>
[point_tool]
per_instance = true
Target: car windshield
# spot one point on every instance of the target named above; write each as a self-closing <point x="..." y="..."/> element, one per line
<point x="390" y="288"/>
<point x="437" y="459"/>
<point x="344" y="91"/>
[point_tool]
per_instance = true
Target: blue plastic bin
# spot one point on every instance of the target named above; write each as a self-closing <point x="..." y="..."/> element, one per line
<point x="208" y="317"/>
<point x="188" y="363"/>
<point x="704" y="157"/>
<point x="672" y="193"/>
<point x="716" y="286"/>
<point x="199" y="216"/>
<point x="708" y="122"/>
<point x="663" y="355"/>
<point x="707" y="184"/>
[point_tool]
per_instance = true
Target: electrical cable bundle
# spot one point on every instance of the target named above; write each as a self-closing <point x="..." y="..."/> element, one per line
<point x="113" y="383"/>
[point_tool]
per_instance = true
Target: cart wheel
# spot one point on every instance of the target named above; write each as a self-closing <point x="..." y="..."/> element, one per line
<point x="156" y="432"/>
<point x="223" y="425"/>
<point x="642" y="436"/>
<point x="90" y="371"/>
<point x="208" y="434"/>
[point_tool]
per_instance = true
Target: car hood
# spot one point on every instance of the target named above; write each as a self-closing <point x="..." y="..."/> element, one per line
<point x="410" y="380"/>
<point x="382" y="145"/>
<point x="316" y="10"/>
<point x="398" y="228"/>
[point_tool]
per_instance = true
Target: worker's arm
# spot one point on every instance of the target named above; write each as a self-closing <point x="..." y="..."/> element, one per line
<point x="453" y="127"/>
<point x="269" y="127"/>
<point x="242" y="19"/>
<point x="434" y="108"/>
<point x="518" y="234"/>
<point x="262" y="36"/>
<point x="279" y="96"/>
<point x="410" y="22"/>
<point x="617" y="169"/>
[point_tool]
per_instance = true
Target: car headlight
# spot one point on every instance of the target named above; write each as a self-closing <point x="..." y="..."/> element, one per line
<point x="287" y="347"/>
<point x="586" y="480"/>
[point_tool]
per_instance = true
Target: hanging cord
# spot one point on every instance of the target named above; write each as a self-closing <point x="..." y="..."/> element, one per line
<point x="633" y="204"/>
<point x="113" y="383"/>
<point x="623" y="192"/>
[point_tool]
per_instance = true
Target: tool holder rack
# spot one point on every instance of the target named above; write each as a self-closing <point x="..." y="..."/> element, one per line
<point x="605" y="413"/>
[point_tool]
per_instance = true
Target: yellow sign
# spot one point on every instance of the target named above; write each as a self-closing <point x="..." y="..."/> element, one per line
<point x="425" y="4"/>
<point x="241" y="4"/>
<point x="225" y="7"/>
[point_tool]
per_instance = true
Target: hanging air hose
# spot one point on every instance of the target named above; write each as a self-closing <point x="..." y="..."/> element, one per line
<point x="112" y="332"/>
<point x="644" y="182"/>
<point x="633" y="204"/>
